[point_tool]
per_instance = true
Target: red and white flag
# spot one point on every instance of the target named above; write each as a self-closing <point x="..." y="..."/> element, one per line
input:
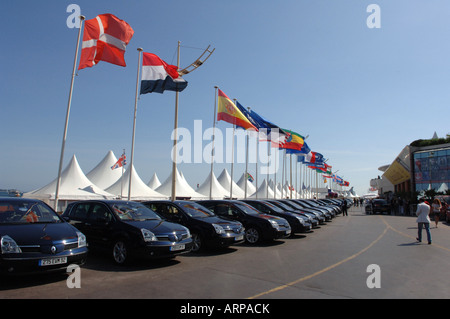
<point x="104" y="39"/>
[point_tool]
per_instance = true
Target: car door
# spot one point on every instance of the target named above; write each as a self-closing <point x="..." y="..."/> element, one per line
<point x="99" y="225"/>
<point x="78" y="216"/>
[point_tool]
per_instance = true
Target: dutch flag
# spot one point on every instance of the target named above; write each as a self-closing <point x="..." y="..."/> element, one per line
<point x="158" y="76"/>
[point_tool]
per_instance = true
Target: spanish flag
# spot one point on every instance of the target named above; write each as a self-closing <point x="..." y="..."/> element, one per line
<point x="228" y="112"/>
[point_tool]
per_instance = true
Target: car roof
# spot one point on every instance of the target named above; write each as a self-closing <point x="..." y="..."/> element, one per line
<point x="19" y="199"/>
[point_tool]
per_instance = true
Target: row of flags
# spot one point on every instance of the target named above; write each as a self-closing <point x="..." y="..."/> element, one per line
<point x="291" y="141"/>
<point x="105" y="39"/>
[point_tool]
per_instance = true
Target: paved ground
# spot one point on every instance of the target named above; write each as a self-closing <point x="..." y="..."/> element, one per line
<point x="330" y="262"/>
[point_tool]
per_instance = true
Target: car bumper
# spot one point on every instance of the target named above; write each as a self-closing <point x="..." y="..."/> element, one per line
<point x="157" y="250"/>
<point x="25" y="263"/>
<point x="226" y="240"/>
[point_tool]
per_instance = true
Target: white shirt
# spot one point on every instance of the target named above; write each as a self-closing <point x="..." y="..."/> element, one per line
<point x="422" y="213"/>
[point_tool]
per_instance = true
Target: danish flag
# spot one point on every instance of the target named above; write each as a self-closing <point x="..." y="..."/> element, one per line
<point x="104" y="39"/>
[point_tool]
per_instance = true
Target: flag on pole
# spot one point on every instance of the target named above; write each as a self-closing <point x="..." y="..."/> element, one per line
<point x="267" y="130"/>
<point x="250" y="178"/>
<point x="294" y="142"/>
<point x="228" y="112"/>
<point x="104" y="39"/>
<point x="120" y="162"/>
<point x="158" y="76"/>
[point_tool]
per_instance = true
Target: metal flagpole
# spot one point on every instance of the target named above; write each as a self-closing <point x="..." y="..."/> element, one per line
<point x="121" y="179"/>
<point x="175" y="140"/>
<point x="246" y="166"/>
<point x="213" y="138"/>
<point x="61" y="159"/>
<point x="134" y="121"/>
<point x="232" y="163"/>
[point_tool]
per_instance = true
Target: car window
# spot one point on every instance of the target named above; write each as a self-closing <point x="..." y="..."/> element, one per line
<point x="196" y="210"/>
<point x="247" y="209"/>
<point x="133" y="211"/>
<point x="18" y="212"/>
<point x="99" y="213"/>
<point x="79" y="212"/>
<point x="274" y="207"/>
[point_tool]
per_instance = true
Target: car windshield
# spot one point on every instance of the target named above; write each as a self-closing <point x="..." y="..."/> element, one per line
<point x="247" y="209"/>
<point x="26" y="212"/>
<point x="131" y="211"/>
<point x="196" y="210"/>
<point x="274" y="207"/>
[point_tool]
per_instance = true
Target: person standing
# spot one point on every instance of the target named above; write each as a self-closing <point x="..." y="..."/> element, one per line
<point x="436" y="209"/>
<point x="423" y="220"/>
<point x="344" y="207"/>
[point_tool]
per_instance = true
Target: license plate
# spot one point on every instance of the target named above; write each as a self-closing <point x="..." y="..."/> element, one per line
<point x="237" y="238"/>
<point x="177" y="247"/>
<point x="52" y="261"/>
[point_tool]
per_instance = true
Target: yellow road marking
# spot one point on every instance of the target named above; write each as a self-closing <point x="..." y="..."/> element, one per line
<point x="409" y="236"/>
<point x="323" y="270"/>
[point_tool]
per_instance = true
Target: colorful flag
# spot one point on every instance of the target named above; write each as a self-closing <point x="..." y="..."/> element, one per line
<point x="268" y="131"/>
<point x="228" y="112"/>
<point x="250" y="178"/>
<point x="294" y="142"/>
<point x="158" y="76"/>
<point x="120" y="162"/>
<point x="104" y="39"/>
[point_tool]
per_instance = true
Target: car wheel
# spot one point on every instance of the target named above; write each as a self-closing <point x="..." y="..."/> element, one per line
<point x="120" y="252"/>
<point x="197" y="243"/>
<point x="252" y="235"/>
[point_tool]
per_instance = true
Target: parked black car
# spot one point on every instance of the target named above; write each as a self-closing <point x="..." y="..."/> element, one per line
<point x="315" y="217"/>
<point x="35" y="239"/>
<point x="258" y="226"/>
<point x="380" y="206"/>
<point x="298" y="223"/>
<point x="300" y="205"/>
<point x="127" y="230"/>
<point x="315" y="204"/>
<point x="207" y="229"/>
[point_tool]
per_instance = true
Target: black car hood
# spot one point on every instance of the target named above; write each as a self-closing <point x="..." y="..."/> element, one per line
<point x="156" y="225"/>
<point x="38" y="233"/>
<point x="216" y="220"/>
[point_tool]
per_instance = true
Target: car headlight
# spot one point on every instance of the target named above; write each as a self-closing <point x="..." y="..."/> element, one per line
<point x="9" y="246"/>
<point x="81" y="240"/>
<point x="219" y="229"/>
<point x="148" y="235"/>
<point x="301" y="220"/>
<point x="274" y="224"/>
<point x="188" y="232"/>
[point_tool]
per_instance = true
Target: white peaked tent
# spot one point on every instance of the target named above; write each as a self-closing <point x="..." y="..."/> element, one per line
<point x="74" y="186"/>
<point x="217" y="191"/>
<point x="139" y="191"/>
<point x="250" y="187"/>
<point x="182" y="188"/>
<point x="225" y="180"/>
<point x="154" y="182"/>
<point x="272" y="186"/>
<point x="264" y="191"/>
<point x="443" y="188"/>
<point x="102" y="175"/>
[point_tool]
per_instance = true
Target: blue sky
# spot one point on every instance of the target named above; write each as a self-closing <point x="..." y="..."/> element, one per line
<point x="314" y="67"/>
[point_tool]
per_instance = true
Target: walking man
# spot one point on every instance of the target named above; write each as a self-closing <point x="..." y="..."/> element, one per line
<point x="423" y="220"/>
